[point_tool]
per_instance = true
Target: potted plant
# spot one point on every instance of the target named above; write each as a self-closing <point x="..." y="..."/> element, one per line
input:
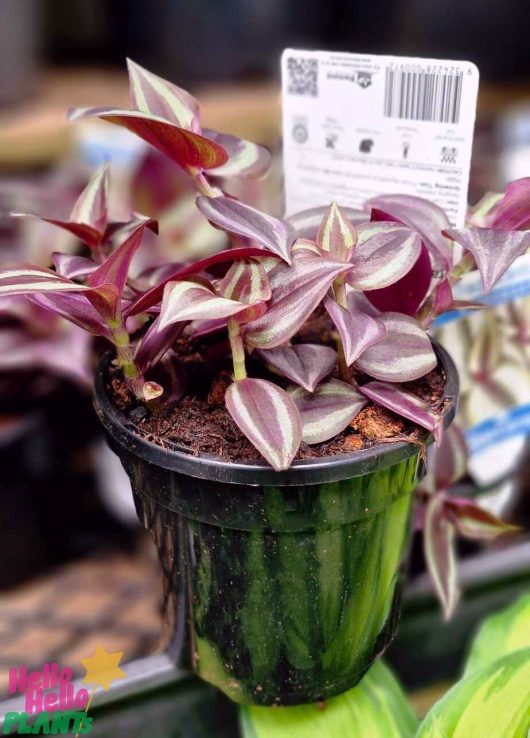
<point x="278" y="490"/>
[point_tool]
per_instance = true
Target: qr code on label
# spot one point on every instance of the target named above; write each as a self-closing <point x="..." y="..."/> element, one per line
<point x="302" y="76"/>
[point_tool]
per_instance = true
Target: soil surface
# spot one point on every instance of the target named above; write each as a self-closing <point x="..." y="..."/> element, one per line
<point x="200" y="423"/>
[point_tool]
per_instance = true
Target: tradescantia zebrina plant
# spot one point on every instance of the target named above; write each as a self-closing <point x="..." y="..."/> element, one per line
<point x="382" y="274"/>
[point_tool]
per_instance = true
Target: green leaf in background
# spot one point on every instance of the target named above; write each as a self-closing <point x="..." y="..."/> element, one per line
<point x="375" y="708"/>
<point x="501" y="634"/>
<point x="493" y="702"/>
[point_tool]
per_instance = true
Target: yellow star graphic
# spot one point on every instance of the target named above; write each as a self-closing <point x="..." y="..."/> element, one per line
<point x="102" y="668"/>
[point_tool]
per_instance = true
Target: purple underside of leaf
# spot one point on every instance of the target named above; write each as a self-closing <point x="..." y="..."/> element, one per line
<point x="408" y="293"/>
<point x="73" y="267"/>
<point x="512" y="212"/>
<point x="404" y="353"/>
<point x="268" y="417"/>
<point x="154" y="344"/>
<point x="357" y="330"/>
<point x="494" y="250"/>
<point x="384" y="254"/>
<point x="76" y="308"/>
<point x="307" y="222"/>
<point x="423" y="216"/>
<point x="231" y="215"/>
<point x="406" y="405"/>
<point x="439" y="553"/>
<point x="154" y="295"/>
<point x="328" y="410"/>
<point x="304" y="364"/>
<point x="473" y="521"/>
<point x="296" y="291"/>
<point x="447" y="463"/>
<point x="188" y="149"/>
<point x="85" y="233"/>
<point x="245" y="159"/>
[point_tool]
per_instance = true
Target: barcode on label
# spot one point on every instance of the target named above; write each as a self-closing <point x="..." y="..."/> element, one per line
<point x="423" y="95"/>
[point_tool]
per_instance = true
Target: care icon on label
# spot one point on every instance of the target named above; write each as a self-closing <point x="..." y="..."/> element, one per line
<point x="300" y="131"/>
<point x="364" y="79"/>
<point x="331" y="140"/>
<point x="366" y="145"/>
<point x="448" y="154"/>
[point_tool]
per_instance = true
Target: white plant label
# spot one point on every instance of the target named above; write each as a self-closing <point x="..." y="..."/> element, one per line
<point x="356" y="126"/>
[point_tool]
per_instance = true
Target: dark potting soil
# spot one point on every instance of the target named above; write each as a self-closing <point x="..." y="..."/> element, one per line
<point x="203" y="426"/>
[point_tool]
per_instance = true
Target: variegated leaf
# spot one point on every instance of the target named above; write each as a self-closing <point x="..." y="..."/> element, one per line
<point x="304" y="364"/>
<point x="473" y="521"/>
<point x="447" y="463"/>
<point x="307" y="222"/>
<point x="336" y="235"/>
<point x="296" y="291"/>
<point x="245" y="282"/>
<point x="76" y="308"/>
<point x="156" y="96"/>
<point x="303" y="248"/>
<point x="406" y="404"/>
<point x="512" y="212"/>
<point x="494" y="250"/>
<point x="384" y="254"/>
<point x="268" y="417"/>
<point x="187" y="148"/>
<point x="154" y="344"/>
<point x="423" y="216"/>
<point x="245" y="159"/>
<point x="25" y="279"/>
<point x="357" y="330"/>
<point x="91" y="207"/>
<point x="193" y="301"/>
<point x="404" y="353"/>
<point x="236" y="217"/>
<point x="73" y="267"/>
<point x="438" y="542"/>
<point x="493" y="702"/>
<point x="328" y="410"/>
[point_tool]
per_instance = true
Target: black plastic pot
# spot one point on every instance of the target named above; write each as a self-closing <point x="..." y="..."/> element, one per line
<point x="280" y="587"/>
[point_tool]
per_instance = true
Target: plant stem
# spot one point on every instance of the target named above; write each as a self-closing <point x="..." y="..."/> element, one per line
<point x="238" y="349"/>
<point x="339" y="290"/>
<point x="204" y="187"/>
<point x="125" y="360"/>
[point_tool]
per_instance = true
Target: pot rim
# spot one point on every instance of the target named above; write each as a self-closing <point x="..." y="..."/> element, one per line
<point x="301" y="472"/>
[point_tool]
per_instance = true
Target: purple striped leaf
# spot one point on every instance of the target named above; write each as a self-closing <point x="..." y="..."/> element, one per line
<point x="303" y="248"/>
<point x="447" y="463"/>
<point x="268" y="417"/>
<point x="512" y="212"/>
<point x="422" y="216"/>
<point x="438" y="543"/>
<point x="162" y="99"/>
<point x="304" y="364"/>
<point x="405" y="353"/>
<point x="231" y="215"/>
<point x="336" y="235"/>
<point x="154" y="344"/>
<point x="385" y="252"/>
<point x="406" y="404"/>
<point x="245" y="282"/>
<point x="296" y="291"/>
<point x="184" y="301"/>
<point x="357" y="330"/>
<point x="328" y="410"/>
<point x="494" y="250"/>
<point x="25" y="279"/>
<point x="307" y="222"/>
<point x="73" y="267"/>
<point x="186" y="148"/>
<point x="473" y="521"/>
<point x="245" y="159"/>
<point x="88" y="219"/>
<point x="408" y="293"/>
<point x="154" y="295"/>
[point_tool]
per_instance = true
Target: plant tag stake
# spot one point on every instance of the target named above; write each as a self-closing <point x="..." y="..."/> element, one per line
<point x="356" y="126"/>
